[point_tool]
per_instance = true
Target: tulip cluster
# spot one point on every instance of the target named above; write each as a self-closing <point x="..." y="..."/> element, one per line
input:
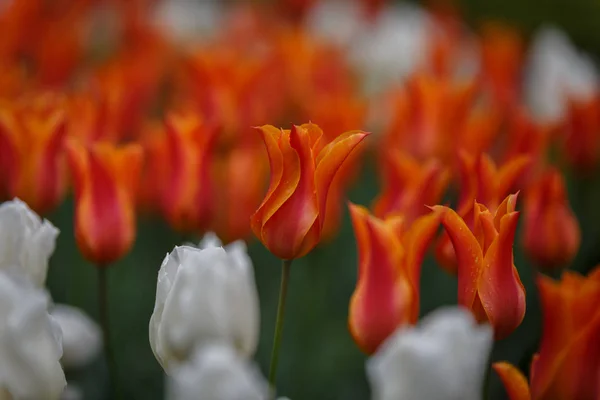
<point x="165" y="109"/>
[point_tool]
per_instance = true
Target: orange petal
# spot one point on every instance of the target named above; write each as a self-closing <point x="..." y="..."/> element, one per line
<point x="513" y="380"/>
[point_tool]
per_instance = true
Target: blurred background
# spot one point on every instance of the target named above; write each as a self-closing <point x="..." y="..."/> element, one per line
<point x="319" y="359"/>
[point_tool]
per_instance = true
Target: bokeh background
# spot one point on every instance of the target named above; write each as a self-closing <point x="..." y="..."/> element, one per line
<point x="319" y="359"/>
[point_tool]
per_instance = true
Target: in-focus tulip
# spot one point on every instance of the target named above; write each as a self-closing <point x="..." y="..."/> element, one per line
<point x="290" y="219"/>
<point x="217" y="372"/>
<point x="488" y="282"/>
<point x="410" y="185"/>
<point x="389" y="271"/>
<point x="551" y="234"/>
<point x="185" y="195"/>
<point x="106" y="179"/>
<point x="567" y="365"/>
<point x="443" y="358"/>
<point x="204" y="295"/>
<point x="30" y="342"/>
<point x="81" y="336"/>
<point x="481" y="180"/>
<point x="32" y="138"/>
<point x="26" y="242"/>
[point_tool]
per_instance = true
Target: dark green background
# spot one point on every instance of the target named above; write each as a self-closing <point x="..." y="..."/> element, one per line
<point x="319" y="359"/>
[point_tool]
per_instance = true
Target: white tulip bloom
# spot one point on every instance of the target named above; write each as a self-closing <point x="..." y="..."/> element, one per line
<point x="443" y="358"/>
<point x="337" y="21"/>
<point x="217" y="372"/>
<point x="555" y="71"/>
<point x="26" y="241"/>
<point x="202" y="296"/>
<point x="186" y="21"/>
<point x="30" y="342"/>
<point x="81" y="336"/>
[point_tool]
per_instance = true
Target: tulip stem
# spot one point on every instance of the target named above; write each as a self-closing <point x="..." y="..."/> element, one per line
<point x="105" y="324"/>
<point x="285" y="277"/>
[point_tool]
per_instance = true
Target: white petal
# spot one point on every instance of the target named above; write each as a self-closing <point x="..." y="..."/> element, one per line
<point x="30" y="342"/>
<point x="217" y="372"/>
<point x="82" y="337"/>
<point x="444" y="358"/>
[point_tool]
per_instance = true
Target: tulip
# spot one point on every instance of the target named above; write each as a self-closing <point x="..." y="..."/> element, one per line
<point x="290" y="219"/>
<point x="568" y="363"/>
<point x="581" y="126"/>
<point x="409" y="185"/>
<point x="217" y="372"/>
<point x="81" y="336"/>
<point x="389" y="270"/>
<point x="30" y="342"/>
<point x="482" y="180"/>
<point x="105" y="180"/>
<point x="185" y="195"/>
<point x="551" y="232"/>
<point x="443" y="358"/>
<point x="32" y="136"/>
<point x="488" y="282"/>
<point x="202" y="296"/>
<point x="26" y="242"/>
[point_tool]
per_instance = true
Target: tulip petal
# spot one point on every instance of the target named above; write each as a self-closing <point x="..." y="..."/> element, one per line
<point x="500" y="289"/>
<point x="513" y="380"/>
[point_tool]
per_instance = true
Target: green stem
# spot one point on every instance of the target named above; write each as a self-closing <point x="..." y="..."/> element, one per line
<point x="487" y="380"/>
<point x="285" y="277"/>
<point x="105" y="324"/>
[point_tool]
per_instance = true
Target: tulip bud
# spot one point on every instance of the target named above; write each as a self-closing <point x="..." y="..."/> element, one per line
<point x="26" y="242"/>
<point x="389" y="266"/>
<point x="488" y="282"/>
<point x="217" y="372"/>
<point x="30" y="342"/>
<point x="81" y="336"/>
<point x="551" y="232"/>
<point x="106" y="180"/>
<point x="443" y="358"/>
<point x="204" y="295"/>
<point x="290" y="219"/>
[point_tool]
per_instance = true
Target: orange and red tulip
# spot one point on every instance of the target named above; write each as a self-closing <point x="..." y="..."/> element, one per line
<point x="410" y="186"/>
<point x="105" y="180"/>
<point x="488" y="282"/>
<point x="568" y="363"/>
<point x="389" y="269"/>
<point x="290" y="219"/>
<point x="32" y="137"/>
<point x="582" y="133"/>
<point x="482" y="180"/>
<point x="551" y="231"/>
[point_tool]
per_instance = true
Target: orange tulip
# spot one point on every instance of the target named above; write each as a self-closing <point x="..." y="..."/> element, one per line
<point x="582" y="138"/>
<point x="389" y="270"/>
<point x="482" y="180"/>
<point x="551" y="231"/>
<point x="106" y="180"/>
<point x="32" y="136"/>
<point x="409" y="186"/>
<point x="185" y="194"/>
<point x="568" y="363"/>
<point x="290" y="219"/>
<point x="488" y="282"/>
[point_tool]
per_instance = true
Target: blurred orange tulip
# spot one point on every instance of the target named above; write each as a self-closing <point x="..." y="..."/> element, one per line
<point x="488" y="282"/>
<point x="410" y="186"/>
<point x="290" y="219"/>
<point x="551" y="234"/>
<point x="105" y="180"/>
<point x="582" y="133"/>
<point x="567" y="366"/>
<point x="32" y="135"/>
<point x="390" y="254"/>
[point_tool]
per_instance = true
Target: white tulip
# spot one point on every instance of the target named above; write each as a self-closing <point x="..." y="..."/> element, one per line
<point x="81" y="336"/>
<point x="30" y="342"/>
<point x="204" y="295"/>
<point x="337" y="21"/>
<point x="443" y="358"/>
<point x="26" y="242"/>
<point x="186" y="21"/>
<point x="555" y="71"/>
<point x="217" y="372"/>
